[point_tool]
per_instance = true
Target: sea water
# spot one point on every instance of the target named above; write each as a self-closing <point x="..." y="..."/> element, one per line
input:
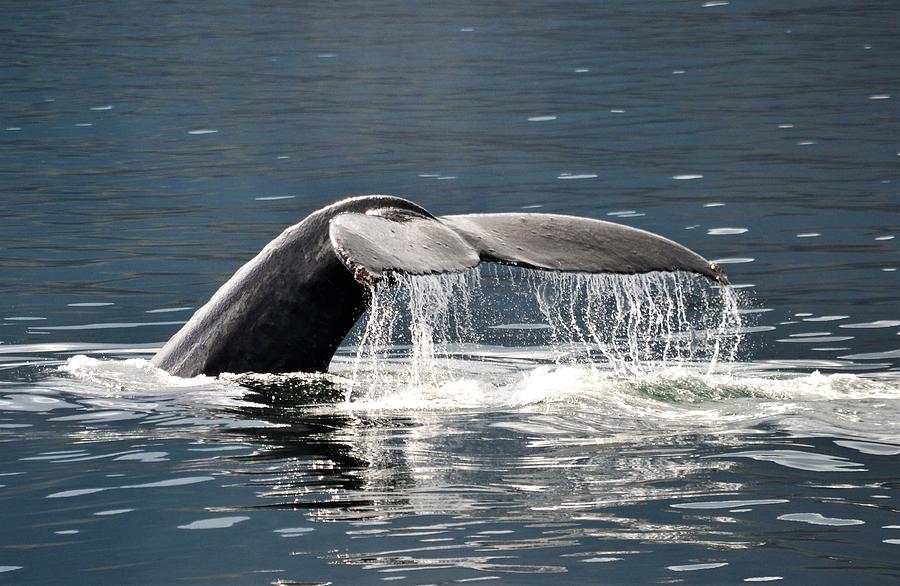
<point x="619" y="434"/>
<point x="499" y="426"/>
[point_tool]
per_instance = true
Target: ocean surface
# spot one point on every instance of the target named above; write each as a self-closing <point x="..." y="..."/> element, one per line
<point x="495" y="426"/>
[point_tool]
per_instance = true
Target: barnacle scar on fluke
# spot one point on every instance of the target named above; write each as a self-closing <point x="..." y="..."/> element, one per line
<point x="289" y="308"/>
<point x="721" y="277"/>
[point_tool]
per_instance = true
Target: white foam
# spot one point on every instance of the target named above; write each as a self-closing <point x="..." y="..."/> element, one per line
<point x="652" y="348"/>
<point x="136" y="373"/>
<point x="134" y="387"/>
<point x="494" y="378"/>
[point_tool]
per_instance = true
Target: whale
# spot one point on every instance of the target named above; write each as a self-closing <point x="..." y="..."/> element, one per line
<point x="289" y="308"/>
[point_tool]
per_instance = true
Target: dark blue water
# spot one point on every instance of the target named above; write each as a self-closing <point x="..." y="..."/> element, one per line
<point x="147" y="150"/>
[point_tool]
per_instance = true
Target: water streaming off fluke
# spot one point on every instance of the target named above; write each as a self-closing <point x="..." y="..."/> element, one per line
<point x="625" y="324"/>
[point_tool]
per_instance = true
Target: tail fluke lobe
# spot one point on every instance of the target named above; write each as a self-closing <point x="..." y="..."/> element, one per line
<point x="380" y="241"/>
<point x="383" y="240"/>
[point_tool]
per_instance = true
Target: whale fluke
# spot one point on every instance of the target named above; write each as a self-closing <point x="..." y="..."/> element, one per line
<point x="376" y="242"/>
<point x="387" y="240"/>
<point x="289" y="308"/>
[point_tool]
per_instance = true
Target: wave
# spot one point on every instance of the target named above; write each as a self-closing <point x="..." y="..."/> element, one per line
<point x="684" y="395"/>
<point x="657" y="349"/>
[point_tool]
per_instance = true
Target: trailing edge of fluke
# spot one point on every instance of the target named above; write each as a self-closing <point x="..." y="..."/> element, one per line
<point x="289" y="308"/>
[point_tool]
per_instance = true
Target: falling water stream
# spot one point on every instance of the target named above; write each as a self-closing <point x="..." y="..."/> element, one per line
<point x="624" y="325"/>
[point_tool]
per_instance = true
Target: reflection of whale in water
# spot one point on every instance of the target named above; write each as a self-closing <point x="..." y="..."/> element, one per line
<point x="289" y="308"/>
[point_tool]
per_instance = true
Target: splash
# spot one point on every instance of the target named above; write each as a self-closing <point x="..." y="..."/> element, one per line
<point x="627" y="324"/>
<point x="424" y="313"/>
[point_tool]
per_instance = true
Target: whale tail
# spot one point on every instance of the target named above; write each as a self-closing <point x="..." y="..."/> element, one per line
<point x="289" y="308"/>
